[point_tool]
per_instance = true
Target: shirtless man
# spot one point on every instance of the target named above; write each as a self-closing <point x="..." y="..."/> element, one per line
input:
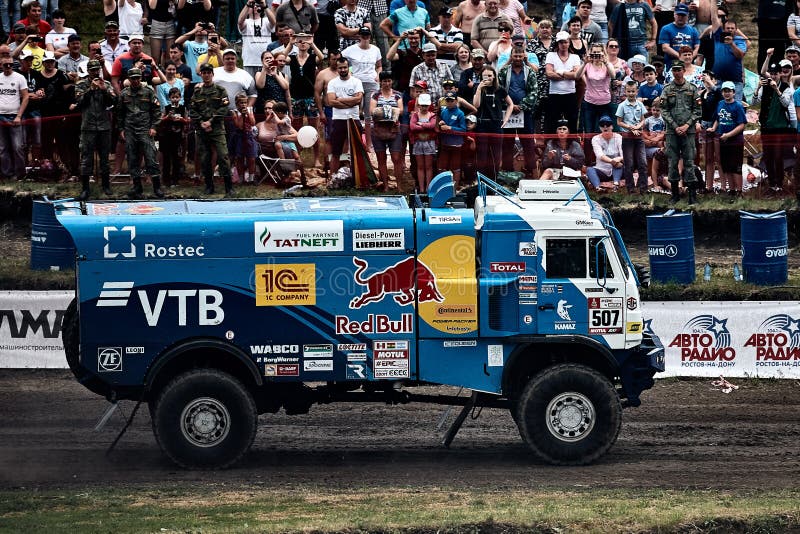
<point x="466" y="13"/>
<point x="320" y="90"/>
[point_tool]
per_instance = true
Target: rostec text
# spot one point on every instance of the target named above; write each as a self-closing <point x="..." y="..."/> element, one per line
<point x="179" y="251"/>
<point x="375" y="324"/>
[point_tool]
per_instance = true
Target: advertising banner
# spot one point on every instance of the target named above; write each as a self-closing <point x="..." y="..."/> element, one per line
<point x="30" y="328"/>
<point x="707" y="339"/>
<point x="733" y="339"/>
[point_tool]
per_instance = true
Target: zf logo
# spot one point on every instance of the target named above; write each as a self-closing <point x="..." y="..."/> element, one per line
<point x="109" y="359"/>
<point x="114" y="235"/>
<point x="209" y="303"/>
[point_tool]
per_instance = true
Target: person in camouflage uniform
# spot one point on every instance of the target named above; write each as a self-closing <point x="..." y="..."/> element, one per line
<point x="680" y="107"/>
<point x="94" y="97"/>
<point x="138" y="116"/>
<point x="208" y="108"/>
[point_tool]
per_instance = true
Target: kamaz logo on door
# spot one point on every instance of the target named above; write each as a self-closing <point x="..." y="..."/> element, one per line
<point x="207" y="301"/>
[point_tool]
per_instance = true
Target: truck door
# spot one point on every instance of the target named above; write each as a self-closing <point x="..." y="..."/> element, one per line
<point x="581" y="289"/>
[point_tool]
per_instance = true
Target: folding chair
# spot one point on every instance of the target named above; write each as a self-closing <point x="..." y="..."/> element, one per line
<point x="276" y="169"/>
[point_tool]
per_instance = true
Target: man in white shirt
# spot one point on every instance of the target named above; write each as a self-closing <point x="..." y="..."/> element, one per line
<point x="13" y="101"/>
<point x="344" y="96"/>
<point x="234" y="80"/>
<point x="365" y="60"/>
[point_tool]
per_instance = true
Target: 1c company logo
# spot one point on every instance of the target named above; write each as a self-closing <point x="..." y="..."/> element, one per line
<point x="289" y="284"/>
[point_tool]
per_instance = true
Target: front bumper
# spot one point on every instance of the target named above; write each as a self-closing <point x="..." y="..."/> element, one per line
<point x="638" y="370"/>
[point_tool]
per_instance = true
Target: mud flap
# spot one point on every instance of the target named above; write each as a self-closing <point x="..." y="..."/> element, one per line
<point x="459" y="420"/>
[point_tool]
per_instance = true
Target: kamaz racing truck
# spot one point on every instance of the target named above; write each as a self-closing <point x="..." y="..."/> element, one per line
<point x="213" y="312"/>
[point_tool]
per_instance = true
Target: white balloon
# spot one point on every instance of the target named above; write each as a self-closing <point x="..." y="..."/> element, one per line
<point x="307" y="136"/>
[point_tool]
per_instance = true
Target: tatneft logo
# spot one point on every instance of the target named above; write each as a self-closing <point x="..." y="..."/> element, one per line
<point x="119" y="242"/>
<point x="298" y="236"/>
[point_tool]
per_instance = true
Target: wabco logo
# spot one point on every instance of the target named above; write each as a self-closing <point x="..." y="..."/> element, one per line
<point x="209" y="303"/>
<point x="119" y="242"/>
<point x="670" y="251"/>
<point x="397" y="279"/>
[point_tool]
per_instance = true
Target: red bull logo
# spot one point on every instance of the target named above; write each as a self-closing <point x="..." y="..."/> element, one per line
<point x="397" y="280"/>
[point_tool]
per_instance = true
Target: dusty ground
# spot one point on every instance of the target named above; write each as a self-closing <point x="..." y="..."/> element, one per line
<point x="685" y="435"/>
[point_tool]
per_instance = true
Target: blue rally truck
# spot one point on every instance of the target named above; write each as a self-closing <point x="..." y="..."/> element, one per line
<point x="213" y="312"/>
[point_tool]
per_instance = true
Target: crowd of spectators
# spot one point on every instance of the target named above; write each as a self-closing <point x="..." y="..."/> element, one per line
<point x="645" y="96"/>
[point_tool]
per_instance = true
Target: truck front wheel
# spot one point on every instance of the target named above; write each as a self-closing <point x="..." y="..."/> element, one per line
<point x="205" y="419"/>
<point x="569" y="414"/>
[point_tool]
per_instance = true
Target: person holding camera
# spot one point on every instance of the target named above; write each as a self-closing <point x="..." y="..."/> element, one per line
<point x="776" y="117"/>
<point x="216" y="44"/>
<point x="256" y="23"/>
<point x="31" y="45"/>
<point x="93" y="98"/>
<point x="729" y="51"/>
<point x="194" y="44"/>
<point x="597" y="74"/>
<point x="133" y="58"/>
<point x="491" y="99"/>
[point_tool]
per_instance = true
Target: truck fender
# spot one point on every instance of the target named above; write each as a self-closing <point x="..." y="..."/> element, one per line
<point x="205" y="345"/>
<point x="608" y="364"/>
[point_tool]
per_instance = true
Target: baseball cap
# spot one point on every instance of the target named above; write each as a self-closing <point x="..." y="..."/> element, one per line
<point x="472" y="118"/>
<point x="681" y="9"/>
<point x="450" y="95"/>
<point x="93" y="64"/>
<point x="774" y="68"/>
<point x="428" y="47"/>
<point x="649" y="67"/>
<point x="424" y="99"/>
<point x="19" y="27"/>
<point x="134" y="73"/>
<point x="792" y="48"/>
<point x="112" y="24"/>
<point x="48" y="56"/>
<point x="446" y="12"/>
<point x="206" y="67"/>
<point x="728" y="85"/>
<point x="562" y="36"/>
<point x="678" y="64"/>
<point x="517" y="37"/>
<point x="364" y="30"/>
<point x="477" y="52"/>
<point x="26" y="54"/>
<point x="229" y="51"/>
<point x="605" y="120"/>
<point x="303" y="35"/>
<point x="448" y="81"/>
<point x="422" y="84"/>
<point x="136" y="37"/>
<point x="785" y="63"/>
<point x="73" y="37"/>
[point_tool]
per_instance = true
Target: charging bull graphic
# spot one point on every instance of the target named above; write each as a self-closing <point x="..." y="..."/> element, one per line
<point x="397" y="279"/>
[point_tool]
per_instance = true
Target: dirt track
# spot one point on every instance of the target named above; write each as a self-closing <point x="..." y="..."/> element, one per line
<point x="684" y="435"/>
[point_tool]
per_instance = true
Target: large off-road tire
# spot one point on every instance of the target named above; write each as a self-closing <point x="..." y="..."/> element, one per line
<point x="569" y="414"/>
<point x="205" y="419"/>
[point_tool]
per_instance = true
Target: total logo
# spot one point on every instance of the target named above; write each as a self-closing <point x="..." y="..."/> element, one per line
<point x="776" y="341"/>
<point x="398" y="280"/>
<point x="507" y="267"/>
<point x="669" y="251"/>
<point x="120" y="243"/>
<point x="207" y="301"/>
<point x="705" y="339"/>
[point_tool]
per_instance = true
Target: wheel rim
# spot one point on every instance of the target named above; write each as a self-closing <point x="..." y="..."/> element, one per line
<point x="205" y="422"/>
<point x="570" y="416"/>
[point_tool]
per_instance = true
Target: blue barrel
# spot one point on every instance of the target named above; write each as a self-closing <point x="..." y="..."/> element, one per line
<point x="670" y="246"/>
<point x="52" y="248"/>
<point x="765" y="248"/>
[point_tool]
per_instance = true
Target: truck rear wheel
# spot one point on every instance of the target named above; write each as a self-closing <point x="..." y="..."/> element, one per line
<point x="205" y="419"/>
<point x="569" y="414"/>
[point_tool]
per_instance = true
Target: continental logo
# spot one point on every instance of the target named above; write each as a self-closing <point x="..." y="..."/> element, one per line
<point x="287" y="284"/>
